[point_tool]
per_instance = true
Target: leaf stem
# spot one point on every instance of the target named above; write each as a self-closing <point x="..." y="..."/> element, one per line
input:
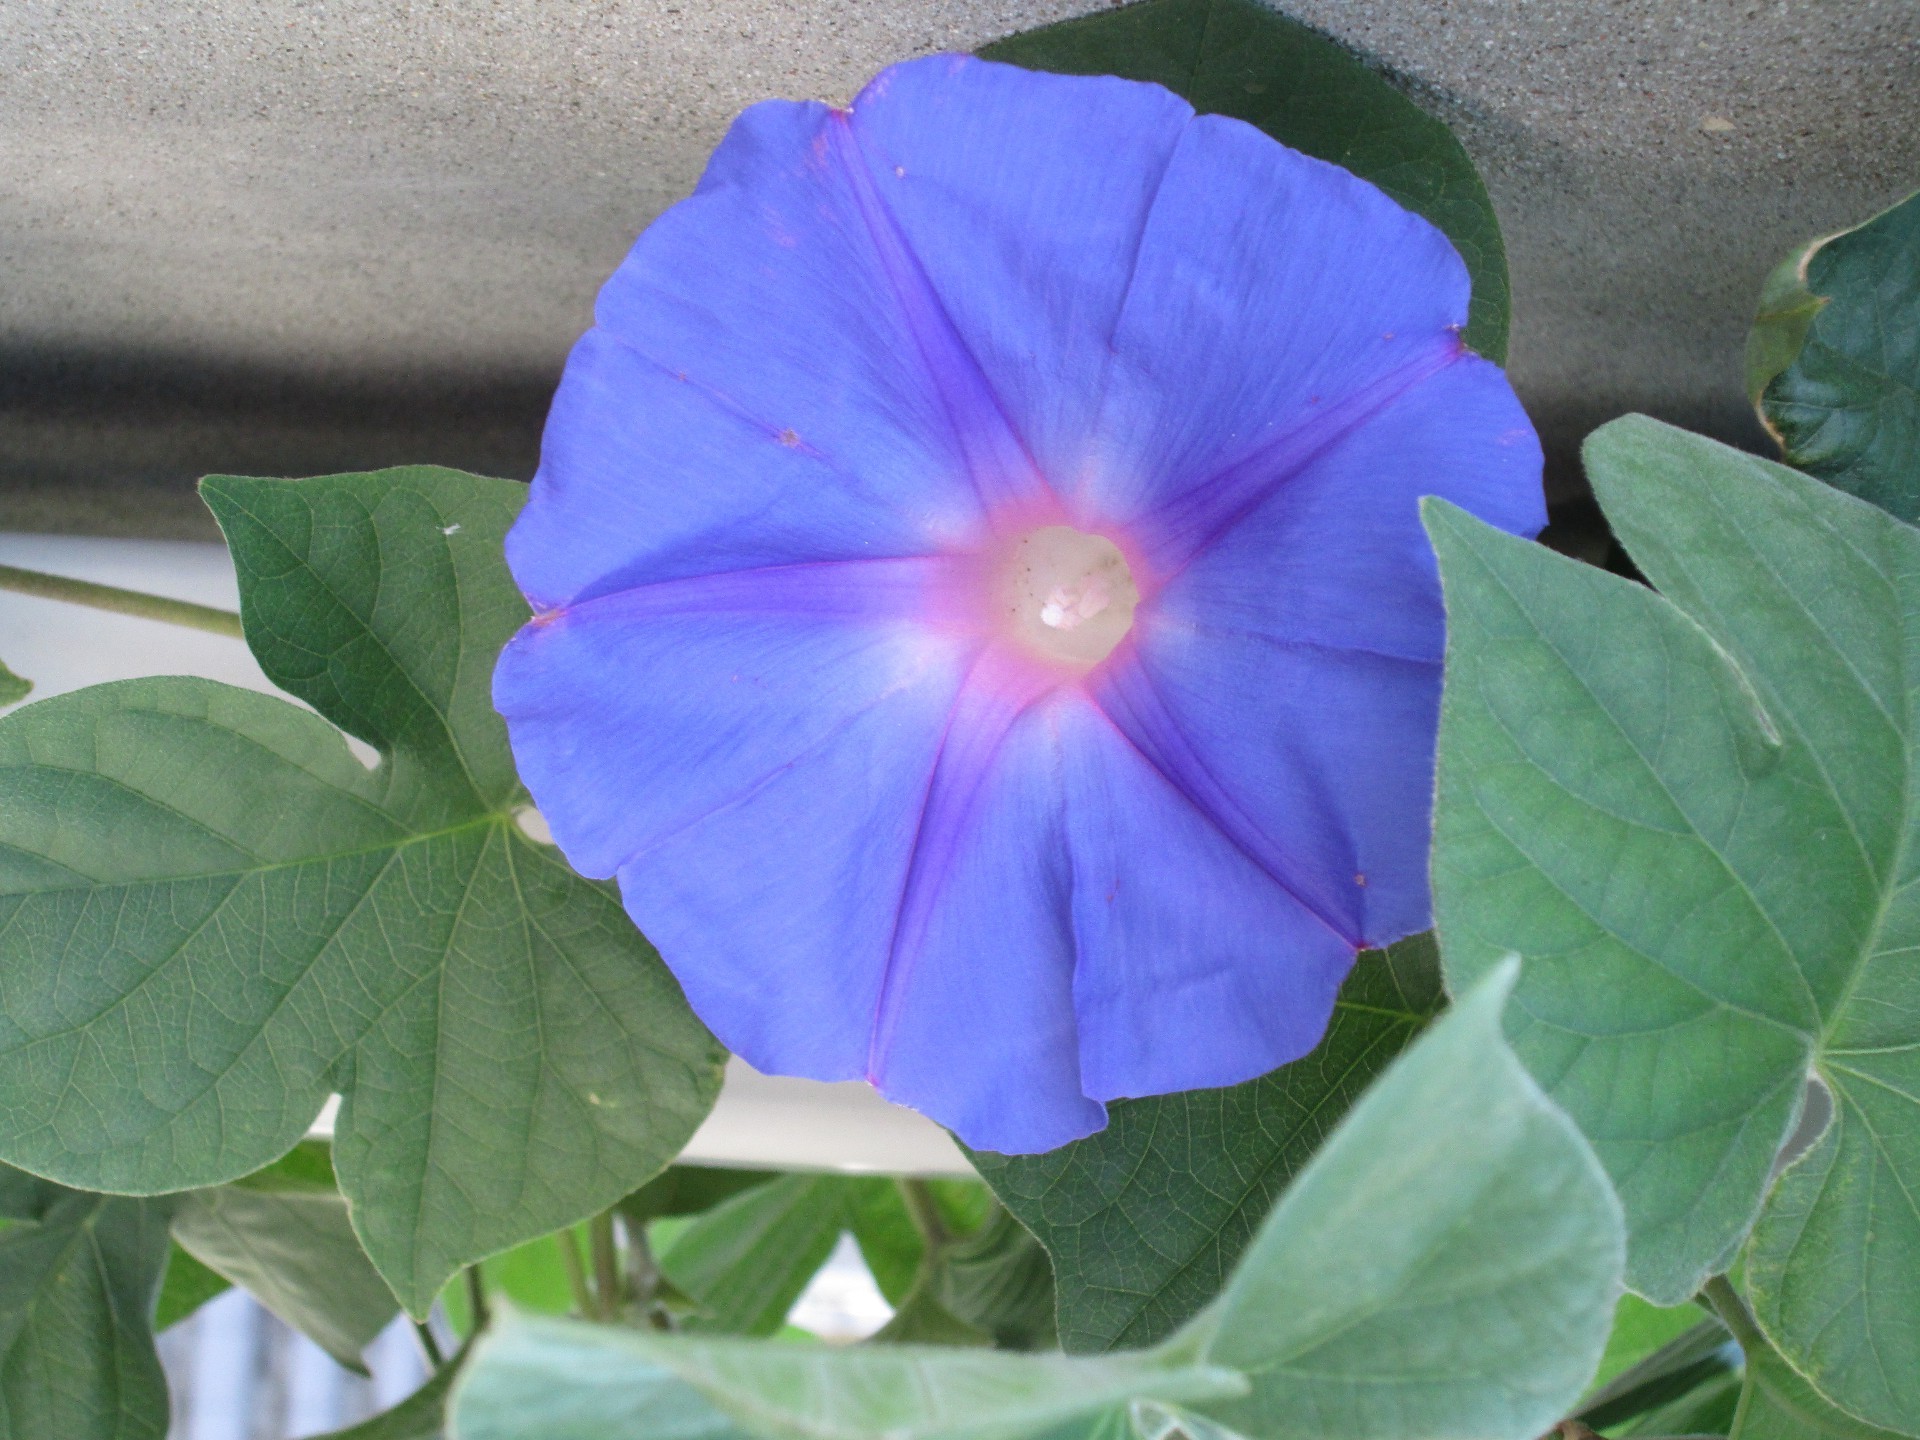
<point x="429" y="1344"/>
<point x="924" y="1211"/>
<point x="124" y="602"/>
<point x="1732" y="1310"/>
<point x="606" y="1264"/>
<point x="479" y="1313"/>
<point x="576" y="1272"/>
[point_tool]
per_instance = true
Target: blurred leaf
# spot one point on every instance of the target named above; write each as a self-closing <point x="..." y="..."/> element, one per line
<point x="689" y="1190"/>
<point x="78" y="1277"/>
<point x="284" y="1236"/>
<point x="922" y="1319"/>
<point x="421" y="1416"/>
<point x="1446" y="1266"/>
<point x="1676" y="1369"/>
<point x="1354" y="1315"/>
<point x="1833" y="360"/>
<point x="13" y="688"/>
<point x="187" y="1286"/>
<point x="1000" y="1281"/>
<point x="1641" y="1330"/>
<point x="248" y="919"/>
<point x="1239" y="58"/>
<point x="790" y="1392"/>
<point x="1707" y="1411"/>
<point x="747" y="1260"/>
<point x="1693" y="817"/>
<point x="1145" y="1219"/>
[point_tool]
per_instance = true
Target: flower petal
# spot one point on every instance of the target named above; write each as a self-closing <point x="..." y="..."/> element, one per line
<point x="1023" y="195"/>
<point x="1270" y="289"/>
<point x="749" y="754"/>
<point x="765" y="350"/>
<point x="1196" y="967"/>
<point x="976" y="1027"/>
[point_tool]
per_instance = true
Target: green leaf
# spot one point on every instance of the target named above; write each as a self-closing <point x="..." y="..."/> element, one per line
<point x="1641" y="1330"/>
<point x="689" y="1190"/>
<point x="1145" y="1219"/>
<point x="1239" y="58"/>
<point x="284" y="1236"/>
<point x="1776" y="1403"/>
<point x="612" y="1384"/>
<point x="1833" y="360"/>
<point x="78" y="1278"/>
<point x="747" y="1260"/>
<point x="999" y="1281"/>
<point x="248" y="919"/>
<point x="1447" y="1265"/>
<point x="1693" y="816"/>
<point x="186" y="1287"/>
<point x="421" y="1416"/>
<point x="1672" y="1372"/>
<point x="13" y="688"/>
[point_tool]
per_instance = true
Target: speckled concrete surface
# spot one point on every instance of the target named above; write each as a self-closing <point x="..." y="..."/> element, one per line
<point x="358" y="233"/>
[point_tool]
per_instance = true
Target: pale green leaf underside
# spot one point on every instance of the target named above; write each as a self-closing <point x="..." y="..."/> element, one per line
<point x="1691" y="815"/>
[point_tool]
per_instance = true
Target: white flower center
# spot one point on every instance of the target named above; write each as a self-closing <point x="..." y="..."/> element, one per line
<point x="1067" y="595"/>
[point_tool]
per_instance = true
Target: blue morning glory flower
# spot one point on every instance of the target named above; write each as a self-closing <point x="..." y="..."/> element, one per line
<point x="981" y="611"/>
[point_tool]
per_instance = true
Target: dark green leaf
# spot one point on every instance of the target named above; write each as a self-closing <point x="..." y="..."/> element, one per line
<point x="1833" y="361"/>
<point x="1693" y="817"/>
<point x="78" y="1277"/>
<point x="1145" y="1219"/>
<point x="13" y="688"/>
<point x="188" y="1285"/>
<point x="1446" y="1266"/>
<point x="923" y="1320"/>
<point x="689" y="1190"/>
<point x="284" y="1236"/>
<point x="1778" y="1404"/>
<point x="1239" y="58"/>
<point x="1000" y="1281"/>
<point x="248" y="919"/>
<point x="1674" y="1370"/>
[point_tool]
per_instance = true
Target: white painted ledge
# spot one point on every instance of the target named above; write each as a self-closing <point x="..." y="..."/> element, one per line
<point x="761" y="1120"/>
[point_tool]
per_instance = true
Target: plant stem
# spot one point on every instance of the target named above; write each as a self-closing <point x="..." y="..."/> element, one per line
<point x="576" y="1272"/>
<point x="479" y="1313"/>
<point x="124" y="602"/>
<point x="1733" y="1313"/>
<point x="429" y="1344"/>
<point x="606" y="1264"/>
<point x="924" y="1211"/>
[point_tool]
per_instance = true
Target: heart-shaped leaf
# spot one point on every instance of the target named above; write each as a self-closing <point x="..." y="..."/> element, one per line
<point x="1694" y="816"/>
<point x="13" y="688"/>
<point x="1240" y="58"/>
<point x="78" y="1276"/>
<point x="1833" y="360"/>
<point x="247" y="918"/>
<point x="1146" y="1219"/>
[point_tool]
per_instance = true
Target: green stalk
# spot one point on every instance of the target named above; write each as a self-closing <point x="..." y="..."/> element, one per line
<point x="1732" y="1310"/>
<point x="924" y="1211"/>
<point x="429" y="1344"/>
<point x="606" y="1264"/>
<point x="576" y="1272"/>
<point x="123" y="602"/>
<point x="479" y="1313"/>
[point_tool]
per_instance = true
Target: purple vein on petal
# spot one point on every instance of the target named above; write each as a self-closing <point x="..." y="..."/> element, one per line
<point x="989" y="701"/>
<point x="1198" y="516"/>
<point x="998" y="461"/>
<point x="893" y="589"/>
<point x="1126" y="696"/>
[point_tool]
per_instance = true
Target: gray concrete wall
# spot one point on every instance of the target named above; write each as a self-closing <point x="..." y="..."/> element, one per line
<point x="288" y="236"/>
